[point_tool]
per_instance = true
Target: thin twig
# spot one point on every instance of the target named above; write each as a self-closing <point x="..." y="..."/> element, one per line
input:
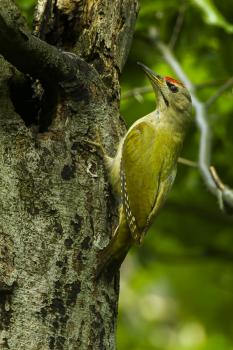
<point x="136" y="92"/>
<point x="187" y="162"/>
<point x="178" y="25"/>
<point x="219" y="92"/>
<point x="216" y="178"/>
<point x="142" y="90"/>
<point x="211" y="83"/>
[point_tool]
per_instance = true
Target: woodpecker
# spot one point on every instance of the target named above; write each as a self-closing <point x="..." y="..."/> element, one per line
<point x="144" y="167"/>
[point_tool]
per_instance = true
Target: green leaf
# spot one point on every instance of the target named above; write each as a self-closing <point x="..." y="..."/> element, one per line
<point x="212" y="15"/>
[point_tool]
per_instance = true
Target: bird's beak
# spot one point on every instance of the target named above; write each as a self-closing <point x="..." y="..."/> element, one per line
<point x="156" y="80"/>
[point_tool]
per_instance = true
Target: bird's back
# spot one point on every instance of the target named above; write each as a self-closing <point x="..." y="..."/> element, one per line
<point x="149" y="157"/>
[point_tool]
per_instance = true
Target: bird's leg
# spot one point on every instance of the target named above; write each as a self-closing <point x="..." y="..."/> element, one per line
<point x="109" y="162"/>
<point x="99" y="146"/>
<point x="98" y="143"/>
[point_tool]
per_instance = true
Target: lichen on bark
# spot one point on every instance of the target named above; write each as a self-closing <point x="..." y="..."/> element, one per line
<point x="56" y="206"/>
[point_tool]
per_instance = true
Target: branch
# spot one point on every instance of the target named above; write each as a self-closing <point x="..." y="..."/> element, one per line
<point x="142" y="90"/>
<point x="136" y="92"/>
<point x="178" y="25"/>
<point x="219" y="92"/>
<point x="224" y="203"/>
<point x="211" y="83"/>
<point x="225" y="194"/>
<point x="187" y="162"/>
<point x="31" y="55"/>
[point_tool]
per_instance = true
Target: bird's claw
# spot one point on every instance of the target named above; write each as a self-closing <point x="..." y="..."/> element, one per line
<point x="98" y="143"/>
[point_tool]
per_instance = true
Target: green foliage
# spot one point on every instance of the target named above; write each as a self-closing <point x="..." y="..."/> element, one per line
<point x="176" y="291"/>
<point x="211" y="14"/>
<point x="27" y="9"/>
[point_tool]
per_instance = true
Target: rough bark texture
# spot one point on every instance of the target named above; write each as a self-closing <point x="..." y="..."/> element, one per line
<point x="56" y="207"/>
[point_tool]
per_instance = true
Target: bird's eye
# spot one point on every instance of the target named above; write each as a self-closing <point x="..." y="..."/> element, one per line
<point x="173" y="88"/>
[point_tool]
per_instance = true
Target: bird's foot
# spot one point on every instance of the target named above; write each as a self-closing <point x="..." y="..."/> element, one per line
<point x="97" y="144"/>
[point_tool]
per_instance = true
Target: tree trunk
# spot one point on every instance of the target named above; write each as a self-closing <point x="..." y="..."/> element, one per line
<point x="56" y="207"/>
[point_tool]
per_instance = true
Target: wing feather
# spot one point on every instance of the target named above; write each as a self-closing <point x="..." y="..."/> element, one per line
<point x="141" y="165"/>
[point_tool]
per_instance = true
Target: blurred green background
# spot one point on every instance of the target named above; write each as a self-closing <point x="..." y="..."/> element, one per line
<point x="177" y="289"/>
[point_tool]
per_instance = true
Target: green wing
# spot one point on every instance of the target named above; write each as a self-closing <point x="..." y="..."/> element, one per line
<point x="140" y="175"/>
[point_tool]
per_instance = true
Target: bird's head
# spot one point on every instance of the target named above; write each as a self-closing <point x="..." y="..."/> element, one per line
<point x="172" y="95"/>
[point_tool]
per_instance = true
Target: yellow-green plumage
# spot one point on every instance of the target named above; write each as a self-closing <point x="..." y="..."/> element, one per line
<point x="144" y="168"/>
<point x="148" y="164"/>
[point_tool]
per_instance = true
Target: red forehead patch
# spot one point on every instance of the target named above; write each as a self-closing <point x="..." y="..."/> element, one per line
<point x="174" y="81"/>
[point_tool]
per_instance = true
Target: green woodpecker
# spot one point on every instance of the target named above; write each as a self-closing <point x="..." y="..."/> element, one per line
<point x="144" y="167"/>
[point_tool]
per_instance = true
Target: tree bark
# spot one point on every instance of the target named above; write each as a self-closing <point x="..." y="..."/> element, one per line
<point x="56" y="206"/>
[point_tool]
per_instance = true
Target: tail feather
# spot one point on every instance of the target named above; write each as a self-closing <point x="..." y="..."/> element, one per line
<point x="112" y="256"/>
